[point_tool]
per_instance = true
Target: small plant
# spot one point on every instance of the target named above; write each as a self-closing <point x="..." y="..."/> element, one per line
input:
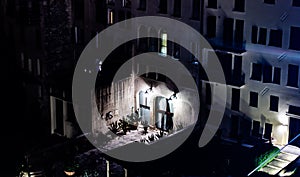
<point x="145" y="124"/>
<point x="151" y="137"/>
<point x="114" y="127"/>
<point x="145" y="140"/>
<point x="267" y="156"/>
<point x="124" y="125"/>
<point x="160" y="134"/>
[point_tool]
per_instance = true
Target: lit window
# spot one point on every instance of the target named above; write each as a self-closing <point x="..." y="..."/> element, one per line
<point x="110" y="16"/>
<point x="163" y="109"/>
<point x="253" y="101"/>
<point x="164" y="40"/>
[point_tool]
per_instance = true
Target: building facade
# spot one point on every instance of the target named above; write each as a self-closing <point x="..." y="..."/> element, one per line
<point x="256" y="42"/>
<point x="258" y="53"/>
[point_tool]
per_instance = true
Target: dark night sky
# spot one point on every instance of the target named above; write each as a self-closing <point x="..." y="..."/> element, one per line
<point x="13" y="126"/>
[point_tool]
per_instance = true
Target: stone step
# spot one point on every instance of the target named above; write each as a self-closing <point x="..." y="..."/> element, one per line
<point x="291" y="150"/>
<point x="287" y="156"/>
<point x="269" y="170"/>
<point x="278" y="163"/>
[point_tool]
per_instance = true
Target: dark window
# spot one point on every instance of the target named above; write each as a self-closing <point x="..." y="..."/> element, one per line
<point x="128" y="15"/>
<point x="153" y="42"/>
<point x="293" y="72"/>
<point x="237" y="69"/>
<point x="11" y="8"/>
<point x="142" y="42"/>
<point x="276" y="75"/>
<point x="212" y="4"/>
<point x="294" y="38"/>
<point x="79" y="9"/>
<point x="267" y="74"/>
<point x="294" y="110"/>
<point x="126" y="3"/>
<point x="59" y="117"/>
<point x="294" y="129"/>
<point x="163" y="6"/>
<point x="38" y="39"/>
<point x="121" y="15"/>
<point x="71" y="114"/>
<point x="275" y="38"/>
<point x="211" y="26"/>
<point x="196" y="10"/>
<point x="296" y="3"/>
<point x="239" y="31"/>
<point x="274" y="101"/>
<point x="228" y="30"/>
<point x="234" y="126"/>
<point x="269" y="1"/>
<point x="176" y="50"/>
<point x="256" y="71"/>
<point x="177" y="8"/>
<point x="268" y="131"/>
<point x="101" y="15"/>
<point x="226" y="62"/>
<point x="239" y="5"/>
<point x="111" y="2"/>
<point x="255" y="128"/>
<point x="253" y="99"/>
<point x="143" y="5"/>
<point x="254" y="34"/>
<point x="262" y="36"/>
<point x="235" y="99"/>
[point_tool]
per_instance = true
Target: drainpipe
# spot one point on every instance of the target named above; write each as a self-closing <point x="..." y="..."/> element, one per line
<point x="275" y="154"/>
<point x="125" y="172"/>
<point x="201" y="16"/>
<point x="107" y="168"/>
